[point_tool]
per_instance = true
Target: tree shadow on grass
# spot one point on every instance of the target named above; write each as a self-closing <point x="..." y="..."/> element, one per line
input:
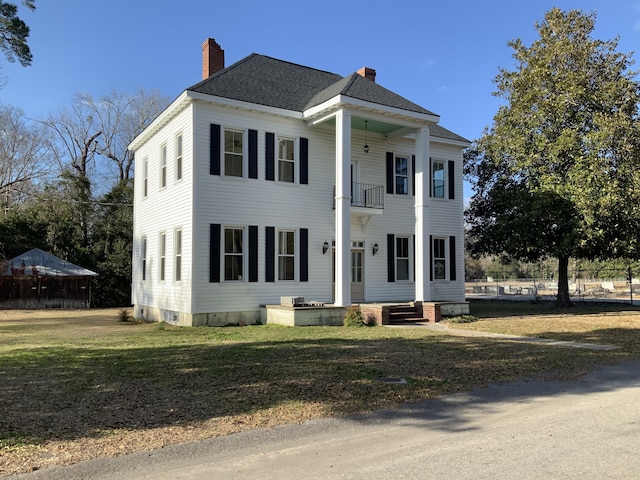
<point x="69" y="393"/>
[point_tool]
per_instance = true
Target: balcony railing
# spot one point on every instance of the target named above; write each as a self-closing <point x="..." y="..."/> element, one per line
<point x="365" y="195"/>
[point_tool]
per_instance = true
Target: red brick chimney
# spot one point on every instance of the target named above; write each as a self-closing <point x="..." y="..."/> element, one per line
<point x="367" y="72"/>
<point x="212" y="58"/>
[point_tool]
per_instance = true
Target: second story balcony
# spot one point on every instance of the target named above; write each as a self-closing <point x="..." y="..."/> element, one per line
<point x="365" y="195"/>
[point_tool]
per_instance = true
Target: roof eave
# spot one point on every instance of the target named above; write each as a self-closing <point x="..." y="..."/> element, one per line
<point x="161" y="120"/>
<point x="318" y="113"/>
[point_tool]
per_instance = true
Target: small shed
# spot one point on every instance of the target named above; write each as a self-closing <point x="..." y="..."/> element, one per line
<point x="37" y="279"/>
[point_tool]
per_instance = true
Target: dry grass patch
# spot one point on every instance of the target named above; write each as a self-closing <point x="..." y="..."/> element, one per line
<point x="80" y="385"/>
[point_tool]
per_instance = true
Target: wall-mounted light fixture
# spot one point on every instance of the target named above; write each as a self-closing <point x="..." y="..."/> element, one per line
<point x="325" y="247"/>
<point x="366" y="140"/>
<point x="374" y="250"/>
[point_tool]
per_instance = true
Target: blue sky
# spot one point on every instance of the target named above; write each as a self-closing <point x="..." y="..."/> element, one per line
<point x="442" y="55"/>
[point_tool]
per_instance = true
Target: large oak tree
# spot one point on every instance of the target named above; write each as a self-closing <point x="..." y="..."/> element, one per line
<point x="557" y="173"/>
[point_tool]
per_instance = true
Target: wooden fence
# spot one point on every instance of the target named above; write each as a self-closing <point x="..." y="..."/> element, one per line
<point x="37" y="292"/>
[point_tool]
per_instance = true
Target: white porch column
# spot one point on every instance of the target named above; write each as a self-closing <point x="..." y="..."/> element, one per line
<point x="342" y="296"/>
<point x="423" y="177"/>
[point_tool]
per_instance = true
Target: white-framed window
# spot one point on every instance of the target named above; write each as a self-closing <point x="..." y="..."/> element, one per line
<point x="403" y="255"/>
<point x="178" y="162"/>
<point x="162" y="255"/>
<point x="177" y="253"/>
<point x="401" y="174"/>
<point x="143" y="257"/>
<point x="234" y="153"/>
<point x="437" y="178"/>
<point x="286" y="255"/>
<point x="163" y="166"/>
<point x="145" y="177"/>
<point x="286" y="160"/>
<point x="234" y="254"/>
<point x="439" y="259"/>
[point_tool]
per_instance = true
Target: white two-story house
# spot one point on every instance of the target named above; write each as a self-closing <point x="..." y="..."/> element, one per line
<point x="270" y="179"/>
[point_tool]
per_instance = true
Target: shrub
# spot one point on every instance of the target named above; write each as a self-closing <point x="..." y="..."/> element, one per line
<point x="124" y="315"/>
<point x="354" y="317"/>
<point x="463" y="319"/>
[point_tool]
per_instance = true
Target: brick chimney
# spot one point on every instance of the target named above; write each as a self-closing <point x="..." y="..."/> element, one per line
<point x="367" y="72"/>
<point x="212" y="58"/>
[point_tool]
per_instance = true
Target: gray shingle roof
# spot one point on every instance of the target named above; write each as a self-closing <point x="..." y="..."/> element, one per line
<point x="267" y="81"/>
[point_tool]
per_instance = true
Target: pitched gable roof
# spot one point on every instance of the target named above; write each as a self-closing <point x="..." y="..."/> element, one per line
<point x="267" y="81"/>
<point x="358" y="87"/>
<point x="271" y="82"/>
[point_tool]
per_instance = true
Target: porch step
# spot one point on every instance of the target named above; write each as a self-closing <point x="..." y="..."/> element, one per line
<point x="404" y="314"/>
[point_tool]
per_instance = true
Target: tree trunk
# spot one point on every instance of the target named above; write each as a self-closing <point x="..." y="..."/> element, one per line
<point x="563" y="300"/>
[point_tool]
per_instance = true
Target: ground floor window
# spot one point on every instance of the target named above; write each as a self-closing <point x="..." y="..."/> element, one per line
<point x="233" y="254"/>
<point x="439" y="259"/>
<point x="286" y="255"/>
<point x="402" y="258"/>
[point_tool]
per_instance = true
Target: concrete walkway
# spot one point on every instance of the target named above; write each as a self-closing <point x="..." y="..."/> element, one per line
<point x="441" y="327"/>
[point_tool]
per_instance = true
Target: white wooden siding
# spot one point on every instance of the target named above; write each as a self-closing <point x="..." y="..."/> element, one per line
<point x="201" y="199"/>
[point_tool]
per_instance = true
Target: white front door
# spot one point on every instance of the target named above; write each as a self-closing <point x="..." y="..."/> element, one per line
<point x="356" y="272"/>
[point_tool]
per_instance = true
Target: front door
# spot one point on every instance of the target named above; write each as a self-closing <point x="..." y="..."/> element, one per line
<point x="357" y="275"/>
<point x="356" y="272"/>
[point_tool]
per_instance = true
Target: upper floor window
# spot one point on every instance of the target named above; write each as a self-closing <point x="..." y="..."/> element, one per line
<point x="402" y="175"/>
<point x="402" y="258"/>
<point x="233" y="153"/>
<point x="233" y="254"/>
<point x="437" y="178"/>
<point x="439" y="259"/>
<point x="178" y="166"/>
<point x="286" y="255"/>
<point x="145" y="176"/>
<point x="286" y="160"/>
<point x="163" y="166"/>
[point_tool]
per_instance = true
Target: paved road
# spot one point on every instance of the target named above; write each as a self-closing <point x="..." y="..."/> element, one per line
<point x="587" y="429"/>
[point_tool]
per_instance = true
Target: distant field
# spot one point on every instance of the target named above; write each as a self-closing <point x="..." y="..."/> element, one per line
<point x="81" y="384"/>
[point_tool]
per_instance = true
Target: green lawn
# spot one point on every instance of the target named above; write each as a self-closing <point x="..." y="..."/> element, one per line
<point x="76" y="386"/>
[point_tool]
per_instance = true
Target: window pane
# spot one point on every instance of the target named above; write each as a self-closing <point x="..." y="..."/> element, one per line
<point x="233" y="165"/>
<point x="401" y="166"/>
<point x="402" y="247"/>
<point x="286" y="268"/>
<point x="232" y="142"/>
<point x="403" y="269"/>
<point x="285" y="171"/>
<point x="233" y="267"/>
<point x="233" y="240"/>
<point x="438" y="179"/>
<point x="439" y="271"/>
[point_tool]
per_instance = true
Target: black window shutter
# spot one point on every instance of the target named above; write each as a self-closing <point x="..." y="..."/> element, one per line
<point x="304" y="161"/>
<point x="413" y="174"/>
<point x="269" y="266"/>
<point x="390" y="176"/>
<point x="253" y="154"/>
<point x="304" y="255"/>
<point x="253" y="253"/>
<point x="452" y="258"/>
<point x="391" y="257"/>
<point x="431" y="257"/>
<point x="214" y="150"/>
<point x="269" y="156"/>
<point x="452" y="183"/>
<point x="214" y="253"/>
